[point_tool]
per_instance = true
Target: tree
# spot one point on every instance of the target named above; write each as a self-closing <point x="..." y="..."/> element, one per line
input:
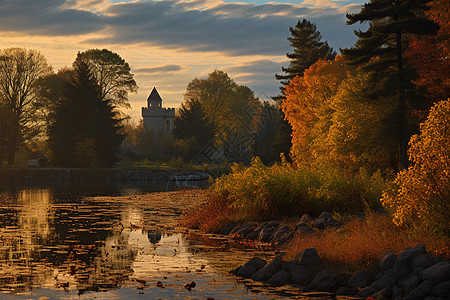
<point x="112" y="73"/>
<point x="20" y="70"/>
<point x="85" y="129"/>
<point x="308" y="48"/>
<point x="429" y="54"/>
<point x="423" y="194"/>
<point x="381" y="49"/>
<point x="192" y="122"/>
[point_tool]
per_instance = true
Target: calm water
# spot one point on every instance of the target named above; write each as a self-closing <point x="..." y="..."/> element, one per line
<point x="73" y="247"/>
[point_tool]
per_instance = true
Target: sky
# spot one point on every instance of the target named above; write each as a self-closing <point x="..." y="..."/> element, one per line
<point x="167" y="43"/>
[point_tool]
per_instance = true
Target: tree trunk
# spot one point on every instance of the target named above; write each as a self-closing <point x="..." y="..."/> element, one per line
<point x="12" y="149"/>
<point x="403" y="139"/>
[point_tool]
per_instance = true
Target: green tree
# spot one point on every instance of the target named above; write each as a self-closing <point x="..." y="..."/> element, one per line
<point x="20" y="70"/>
<point x="381" y="48"/>
<point x="85" y="129"/>
<point x="112" y="73"/>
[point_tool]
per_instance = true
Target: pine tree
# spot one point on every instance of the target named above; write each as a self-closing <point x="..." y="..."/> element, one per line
<point x="308" y="48"/>
<point x="380" y="49"/>
<point x="85" y="129"/>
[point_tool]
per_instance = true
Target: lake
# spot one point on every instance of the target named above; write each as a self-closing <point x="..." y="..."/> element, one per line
<point x="62" y="243"/>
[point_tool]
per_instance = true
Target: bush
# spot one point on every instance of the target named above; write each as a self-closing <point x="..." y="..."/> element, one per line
<point x="422" y="198"/>
<point x="261" y="193"/>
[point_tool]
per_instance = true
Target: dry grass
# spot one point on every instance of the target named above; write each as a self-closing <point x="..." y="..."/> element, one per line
<point x="362" y="243"/>
<point x="211" y="216"/>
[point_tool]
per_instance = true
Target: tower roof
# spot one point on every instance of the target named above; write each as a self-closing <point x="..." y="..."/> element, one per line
<point x="154" y="96"/>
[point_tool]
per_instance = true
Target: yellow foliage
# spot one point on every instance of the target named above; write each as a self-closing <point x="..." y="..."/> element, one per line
<point x="423" y="194"/>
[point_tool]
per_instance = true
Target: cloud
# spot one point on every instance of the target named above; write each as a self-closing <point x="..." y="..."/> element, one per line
<point x="158" y="70"/>
<point x="235" y="28"/>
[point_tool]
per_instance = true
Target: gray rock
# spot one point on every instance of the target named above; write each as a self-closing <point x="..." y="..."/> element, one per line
<point x="280" y="278"/>
<point x="325" y="216"/>
<point x="301" y="224"/>
<point x="242" y="227"/>
<point x="268" y="271"/>
<point x="257" y="262"/>
<point x="383" y="294"/>
<point x="423" y="261"/>
<point x="227" y="228"/>
<point x="266" y="234"/>
<point x="420" y="292"/>
<point x="300" y="274"/>
<point x="332" y="223"/>
<point x="409" y="254"/>
<point x="344" y="291"/>
<point x="397" y="292"/>
<point x="306" y="218"/>
<point x="367" y="291"/>
<point x="273" y="224"/>
<point x="359" y="279"/>
<point x="282" y="237"/>
<point x="441" y="289"/>
<point x="387" y="261"/>
<point x="243" y="232"/>
<point x="383" y="282"/>
<point x="308" y="257"/>
<point x="438" y="272"/>
<point x="418" y="270"/>
<point x="411" y="283"/>
<point x="319" y="224"/>
<point x="305" y="230"/>
<point x="255" y="234"/>
<point x="246" y="271"/>
<point x="324" y="281"/>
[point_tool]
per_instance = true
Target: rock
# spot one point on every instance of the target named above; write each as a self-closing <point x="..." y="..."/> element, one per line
<point x="332" y="223"/>
<point x="255" y="234"/>
<point x="227" y="228"/>
<point x="383" y="282"/>
<point x="257" y="262"/>
<point x="266" y="234"/>
<point x="359" y="279"/>
<point x="243" y="232"/>
<point x="285" y="237"/>
<point x="411" y="283"/>
<point x="410" y="253"/>
<point x="319" y="224"/>
<point x="420" y="292"/>
<point x="301" y="224"/>
<point x="306" y="218"/>
<point x="344" y="291"/>
<point x="383" y="294"/>
<point x="306" y="230"/>
<point x="280" y="232"/>
<point x="423" y="261"/>
<point x="397" y="293"/>
<point x="438" y="272"/>
<point x="246" y="271"/>
<point x="273" y="224"/>
<point x="280" y="278"/>
<point x="269" y="270"/>
<point x="325" y="216"/>
<point x="441" y="289"/>
<point x="324" y="281"/>
<point x="300" y="274"/>
<point x="387" y="261"/>
<point x="308" y="257"/>
<point x="367" y="291"/>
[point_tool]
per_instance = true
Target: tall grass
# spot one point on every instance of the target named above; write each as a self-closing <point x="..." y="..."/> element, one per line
<point x="259" y="192"/>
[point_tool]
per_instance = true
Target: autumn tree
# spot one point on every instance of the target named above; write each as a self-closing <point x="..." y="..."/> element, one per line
<point x="381" y="49"/>
<point x="423" y="194"/>
<point x="85" y="129"/>
<point x="113" y="75"/>
<point x="428" y="54"/>
<point x="20" y="69"/>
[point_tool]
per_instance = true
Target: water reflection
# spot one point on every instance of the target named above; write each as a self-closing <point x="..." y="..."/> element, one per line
<point x="65" y="247"/>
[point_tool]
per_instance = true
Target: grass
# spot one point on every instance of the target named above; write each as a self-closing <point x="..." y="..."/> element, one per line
<point x="362" y="243"/>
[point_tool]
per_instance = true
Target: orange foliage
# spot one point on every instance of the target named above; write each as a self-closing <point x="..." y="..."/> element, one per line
<point x="430" y="55"/>
<point x="308" y="100"/>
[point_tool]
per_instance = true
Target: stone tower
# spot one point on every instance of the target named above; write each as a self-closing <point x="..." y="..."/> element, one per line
<point x="156" y="118"/>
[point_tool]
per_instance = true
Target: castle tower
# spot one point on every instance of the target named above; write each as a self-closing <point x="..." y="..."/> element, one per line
<point x="156" y="118"/>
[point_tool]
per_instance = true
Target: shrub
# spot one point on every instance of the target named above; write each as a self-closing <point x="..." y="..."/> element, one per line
<point x="422" y="198"/>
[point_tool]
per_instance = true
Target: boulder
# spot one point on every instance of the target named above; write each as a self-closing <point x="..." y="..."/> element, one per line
<point x="420" y="292"/>
<point x="300" y="274"/>
<point x="325" y="281"/>
<point x="319" y="224"/>
<point x="383" y="282"/>
<point x="367" y="291"/>
<point x="257" y="262"/>
<point x="423" y="261"/>
<point x="247" y="226"/>
<point x="325" y="216"/>
<point x="411" y="283"/>
<point x="387" y="261"/>
<point x="266" y="234"/>
<point x="280" y="278"/>
<point x="383" y="294"/>
<point x="305" y="230"/>
<point x="397" y="293"/>
<point x="359" y="279"/>
<point x="301" y="224"/>
<point x="272" y="224"/>
<point x="227" y="228"/>
<point x="306" y="218"/>
<point x="441" y="289"/>
<point x="268" y="271"/>
<point x="332" y="223"/>
<point x="438" y="272"/>
<point x="308" y="257"/>
<point x="245" y="271"/>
